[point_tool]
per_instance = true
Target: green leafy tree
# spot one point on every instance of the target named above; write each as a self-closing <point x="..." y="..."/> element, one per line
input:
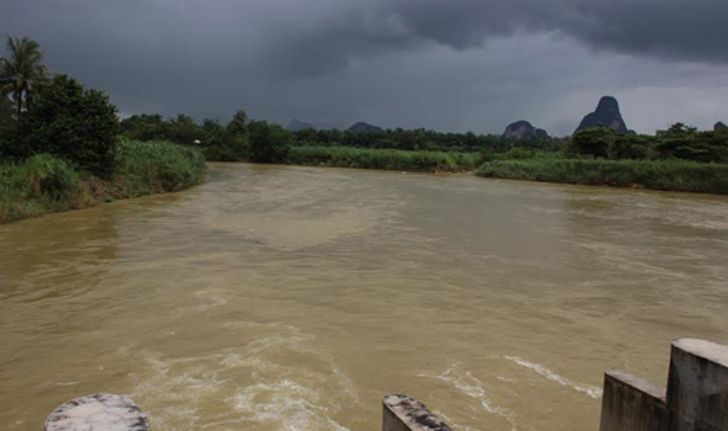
<point x="683" y="142"/>
<point x="73" y="123"/>
<point x="22" y="72"/>
<point x="238" y="125"/>
<point x="594" y="142"/>
<point x="269" y="143"/>
<point x="184" y="130"/>
<point x="238" y="139"/>
<point x="145" y="127"/>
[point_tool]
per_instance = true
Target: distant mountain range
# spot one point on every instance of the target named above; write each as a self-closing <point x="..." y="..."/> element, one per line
<point x="606" y="114"/>
<point x="297" y="126"/>
<point x="360" y="127"/>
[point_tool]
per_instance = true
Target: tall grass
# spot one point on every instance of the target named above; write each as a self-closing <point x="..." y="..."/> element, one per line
<point x="350" y="157"/>
<point x="157" y="166"/>
<point x="43" y="183"/>
<point x="677" y="175"/>
<point x="38" y="185"/>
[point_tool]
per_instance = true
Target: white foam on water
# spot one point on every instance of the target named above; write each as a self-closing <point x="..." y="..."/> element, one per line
<point x="211" y="298"/>
<point x="251" y="386"/>
<point x="285" y="404"/>
<point x="589" y="390"/>
<point x="468" y="384"/>
<point x="505" y="379"/>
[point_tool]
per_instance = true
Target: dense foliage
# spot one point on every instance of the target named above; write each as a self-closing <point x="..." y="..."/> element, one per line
<point x="421" y="139"/>
<point x="269" y="143"/>
<point x="217" y="142"/>
<point x="240" y="139"/>
<point x="72" y="123"/>
<point x="400" y="139"/>
<point x="59" y="146"/>
<point x="677" y="142"/>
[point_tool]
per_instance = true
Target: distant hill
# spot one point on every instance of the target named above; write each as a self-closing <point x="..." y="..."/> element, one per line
<point x="362" y="127"/>
<point x="606" y="115"/>
<point x="521" y="130"/>
<point x="297" y="126"/>
<point x="720" y="126"/>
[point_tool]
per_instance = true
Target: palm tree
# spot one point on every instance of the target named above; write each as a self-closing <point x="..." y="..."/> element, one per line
<point x="20" y="72"/>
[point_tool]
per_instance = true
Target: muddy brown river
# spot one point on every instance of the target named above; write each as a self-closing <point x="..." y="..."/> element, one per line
<point x="289" y="298"/>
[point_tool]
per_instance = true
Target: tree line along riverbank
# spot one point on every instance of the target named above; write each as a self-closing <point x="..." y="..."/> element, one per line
<point x="63" y="146"/>
<point x="679" y="158"/>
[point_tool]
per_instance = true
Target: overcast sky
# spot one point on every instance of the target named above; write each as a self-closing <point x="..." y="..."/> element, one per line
<point x="451" y="65"/>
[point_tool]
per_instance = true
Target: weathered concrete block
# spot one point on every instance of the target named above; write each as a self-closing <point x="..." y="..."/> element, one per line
<point x="697" y="388"/>
<point x="98" y="412"/>
<point x="630" y="403"/>
<point x="403" y="413"/>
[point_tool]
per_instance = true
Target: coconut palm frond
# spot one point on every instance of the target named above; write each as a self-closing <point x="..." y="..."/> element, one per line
<point x="21" y="70"/>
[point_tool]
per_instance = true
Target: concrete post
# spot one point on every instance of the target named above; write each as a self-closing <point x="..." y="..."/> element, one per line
<point x="697" y="388"/>
<point x="403" y="413"/>
<point x="98" y="412"/>
<point x="631" y="403"/>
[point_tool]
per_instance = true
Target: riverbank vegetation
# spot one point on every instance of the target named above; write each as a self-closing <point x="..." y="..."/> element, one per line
<point x="679" y="158"/>
<point x="672" y="175"/>
<point x="43" y="183"/>
<point x="60" y="149"/>
<point x="79" y="131"/>
<point x="387" y="159"/>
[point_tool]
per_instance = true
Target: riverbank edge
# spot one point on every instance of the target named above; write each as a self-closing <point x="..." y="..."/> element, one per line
<point x="672" y="175"/>
<point x="44" y="184"/>
<point x="668" y="175"/>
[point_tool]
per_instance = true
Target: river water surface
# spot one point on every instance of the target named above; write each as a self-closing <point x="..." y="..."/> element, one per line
<point x="288" y="298"/>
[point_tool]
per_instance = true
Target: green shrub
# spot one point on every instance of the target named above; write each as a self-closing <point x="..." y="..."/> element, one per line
<point x="659" y="175"/>
<point x="72" y="123"/>
<point x="269" y="143"/>
<point x="38" y="185"/>
<point x="157" y="166"/>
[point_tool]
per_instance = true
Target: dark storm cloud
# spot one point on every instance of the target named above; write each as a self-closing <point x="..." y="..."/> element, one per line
<point x="688" y="29"/>
<point x="391" y="61"/>
<point x="692" y="30"/>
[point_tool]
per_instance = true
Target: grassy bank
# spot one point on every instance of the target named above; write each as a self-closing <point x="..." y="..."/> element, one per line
<point x="682" y="176"/>
<point x="349" y="157"/>
<point x="43" y="184"/>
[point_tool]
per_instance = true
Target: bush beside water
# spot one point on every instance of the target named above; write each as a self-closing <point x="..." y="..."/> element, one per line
<point x="349" y="157"/>
<point x="44" y="183"/>
<point x="157" y="166"/>
<point x="673" y="175"/>
<point x="38" y="185"/>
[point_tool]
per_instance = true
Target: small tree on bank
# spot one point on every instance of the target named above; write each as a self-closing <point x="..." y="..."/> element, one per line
<point x="269" y="143"/>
